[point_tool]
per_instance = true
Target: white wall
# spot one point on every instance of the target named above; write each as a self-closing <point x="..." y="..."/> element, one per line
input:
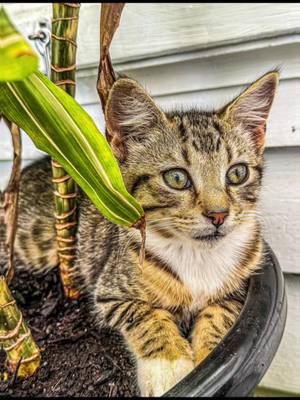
<point x="204" y="54"/>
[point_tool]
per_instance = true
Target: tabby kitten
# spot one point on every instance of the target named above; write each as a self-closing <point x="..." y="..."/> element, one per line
<point x="197" y="175"/>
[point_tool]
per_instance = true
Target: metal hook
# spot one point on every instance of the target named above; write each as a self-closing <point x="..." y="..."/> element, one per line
<point x="42" y="42"/>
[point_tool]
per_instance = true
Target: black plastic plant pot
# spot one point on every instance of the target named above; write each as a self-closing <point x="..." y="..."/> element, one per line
<point x="237" y="365"/>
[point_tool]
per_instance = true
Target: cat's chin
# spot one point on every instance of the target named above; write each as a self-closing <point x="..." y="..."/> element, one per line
<point x="212" y="238"/>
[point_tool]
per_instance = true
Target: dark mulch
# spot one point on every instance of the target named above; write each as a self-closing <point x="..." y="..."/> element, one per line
<point x="78" y="358"/>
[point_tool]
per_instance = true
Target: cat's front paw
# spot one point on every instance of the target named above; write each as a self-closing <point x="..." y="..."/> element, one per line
<point x="157" y="376"/>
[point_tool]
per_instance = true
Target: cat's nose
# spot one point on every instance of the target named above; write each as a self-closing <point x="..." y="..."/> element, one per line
<point x="217" y="217"/>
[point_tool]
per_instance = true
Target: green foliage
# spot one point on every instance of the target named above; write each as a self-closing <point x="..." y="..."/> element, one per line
<point x="58" y="125"/>
<point x="17" y="59"/>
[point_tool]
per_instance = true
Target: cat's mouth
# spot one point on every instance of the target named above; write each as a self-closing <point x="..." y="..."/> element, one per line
<point x="213" y="237"/>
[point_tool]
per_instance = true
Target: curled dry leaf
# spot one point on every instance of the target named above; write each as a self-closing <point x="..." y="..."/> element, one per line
<point x="109" y="22"/>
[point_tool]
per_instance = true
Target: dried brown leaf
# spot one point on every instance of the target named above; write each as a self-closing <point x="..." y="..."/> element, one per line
<point x="109" y="22"/>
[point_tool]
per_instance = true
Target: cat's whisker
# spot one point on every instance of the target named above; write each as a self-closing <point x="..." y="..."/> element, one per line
<point x="163" y="227"/>
<point x="162" y="222"/>
<point x="253" y="215"/>
<point x="169" y="225"/>
<point x="171" y="219"/>
<point x="175" y="224"/>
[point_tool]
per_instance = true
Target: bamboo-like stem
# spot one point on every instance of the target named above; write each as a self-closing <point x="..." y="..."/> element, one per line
<point x="22" y="352"/>
<point x="23" y="355"/>
<point x="64" y="34"/>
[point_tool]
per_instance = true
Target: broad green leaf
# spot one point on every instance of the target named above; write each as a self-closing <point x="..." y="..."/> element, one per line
<point x="17" y="59"/>
<point x="58" y="125"/>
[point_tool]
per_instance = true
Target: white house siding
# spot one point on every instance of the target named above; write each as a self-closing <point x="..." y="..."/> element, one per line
<point x="204" y="54"/>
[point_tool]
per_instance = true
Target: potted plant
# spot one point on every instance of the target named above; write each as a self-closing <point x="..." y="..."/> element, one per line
<point x="31" y="101"/>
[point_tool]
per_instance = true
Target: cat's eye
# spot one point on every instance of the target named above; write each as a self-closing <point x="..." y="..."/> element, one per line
<point x="177" y="178"/>
<point x="237" y="174"/>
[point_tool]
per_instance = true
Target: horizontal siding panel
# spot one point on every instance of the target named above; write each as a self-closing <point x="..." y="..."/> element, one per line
<point x="280" y="205"/>
<point x="152" y="29"/>
<point x="218" y="71"/>
<point x="169" y="27"/>
<point x="204" y="72"/>
<point x="283" y="374"/>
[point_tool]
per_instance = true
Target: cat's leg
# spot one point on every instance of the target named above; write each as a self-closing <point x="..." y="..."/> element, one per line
<point x="163" y="356"/>
<point x="211" y="325"/>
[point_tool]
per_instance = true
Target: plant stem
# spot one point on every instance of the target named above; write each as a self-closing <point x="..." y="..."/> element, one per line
<point x="23" y="355"/>
<point x="64" y="34"/>
<point x="15" y="337"/>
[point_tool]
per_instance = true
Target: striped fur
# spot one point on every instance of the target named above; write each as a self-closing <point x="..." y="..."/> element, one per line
<point x="176" y="309"/>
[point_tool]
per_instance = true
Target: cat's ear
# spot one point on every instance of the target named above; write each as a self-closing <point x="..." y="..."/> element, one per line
<point x="130" y="115"/>
<point x="251" y="108"/>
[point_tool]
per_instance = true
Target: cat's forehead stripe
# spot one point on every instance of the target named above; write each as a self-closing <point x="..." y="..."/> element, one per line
<point x="185" y="155"/>
<point x="229" y="153"/>
<point x="194" y="144"/>
<point x="200" y="129"/>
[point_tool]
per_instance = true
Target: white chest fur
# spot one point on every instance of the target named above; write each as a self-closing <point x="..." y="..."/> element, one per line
<point x="203" y="270"/>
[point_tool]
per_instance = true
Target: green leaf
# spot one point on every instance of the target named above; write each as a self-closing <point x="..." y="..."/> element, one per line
<point x="17" y="59"/>
<point x="58" y="125"/>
